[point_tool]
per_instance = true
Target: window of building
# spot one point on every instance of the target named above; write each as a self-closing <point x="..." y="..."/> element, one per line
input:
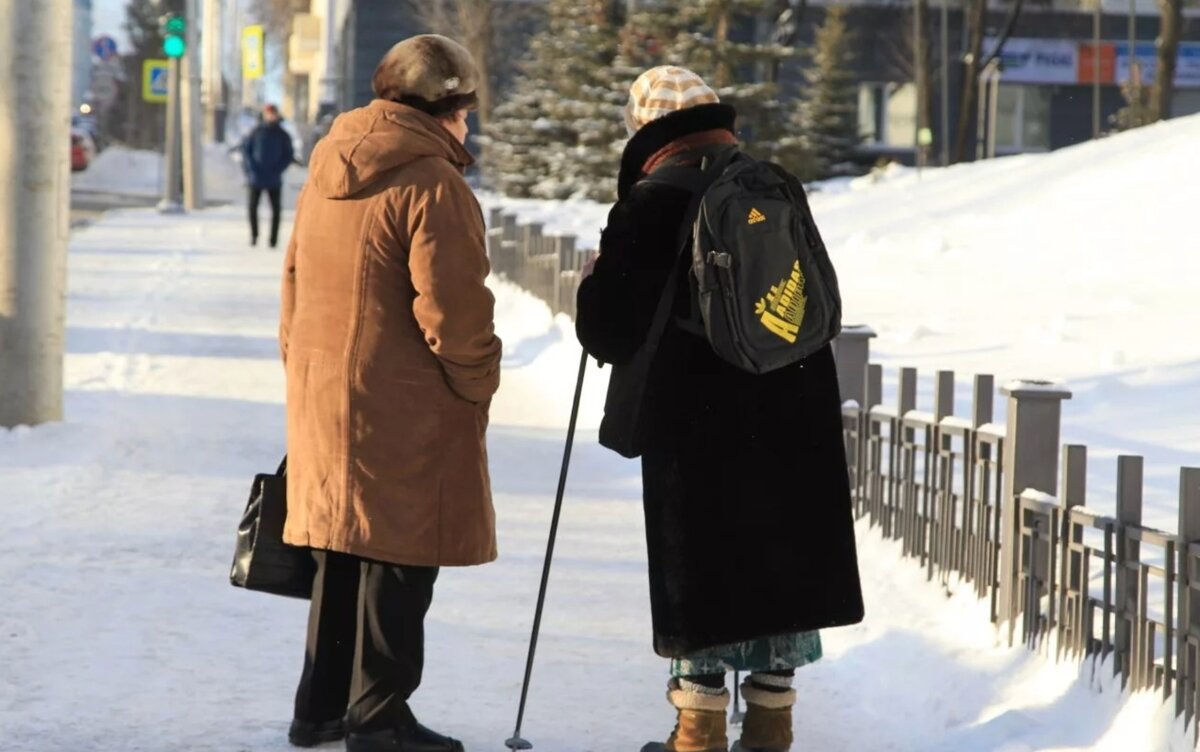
<point x="887" y="114"/>
<point x="1023" y="118"/>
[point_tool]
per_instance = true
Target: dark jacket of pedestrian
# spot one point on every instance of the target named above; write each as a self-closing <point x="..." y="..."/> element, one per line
<point x="266" y="154"/>
<point x="391" y="354"/>
<point x="749" y="525"/>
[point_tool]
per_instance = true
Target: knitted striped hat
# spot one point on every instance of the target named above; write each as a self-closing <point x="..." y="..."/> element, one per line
<point x="663" y="90"/>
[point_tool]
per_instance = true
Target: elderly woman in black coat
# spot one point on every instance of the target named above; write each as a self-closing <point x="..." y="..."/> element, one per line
<point x="749" y="527"/>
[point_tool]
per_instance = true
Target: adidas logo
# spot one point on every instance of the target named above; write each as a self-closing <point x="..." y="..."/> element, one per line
<point x="755" y="217"/>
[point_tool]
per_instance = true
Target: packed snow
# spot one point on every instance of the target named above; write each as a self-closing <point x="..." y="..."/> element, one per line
<point x="120" y="632"/>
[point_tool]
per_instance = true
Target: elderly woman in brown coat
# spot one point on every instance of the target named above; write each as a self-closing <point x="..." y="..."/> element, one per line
<point x="392" y="360"/>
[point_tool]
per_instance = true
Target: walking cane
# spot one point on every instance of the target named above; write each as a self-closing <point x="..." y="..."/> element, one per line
<point x="516" y="742"/>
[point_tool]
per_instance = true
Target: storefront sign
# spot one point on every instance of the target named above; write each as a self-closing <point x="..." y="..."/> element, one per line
<point x="1087" y="63"/>
<point x="1038" y="61"/>
<point x="1064" y="61"/>
<point x="1187" y="71"/>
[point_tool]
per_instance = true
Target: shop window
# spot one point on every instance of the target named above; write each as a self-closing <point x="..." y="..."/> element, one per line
<point x="1023" y="118"/>
<point x="887" y="114"/>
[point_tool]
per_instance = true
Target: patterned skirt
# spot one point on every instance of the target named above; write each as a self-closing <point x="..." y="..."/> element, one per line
<point x="776" y="653"/>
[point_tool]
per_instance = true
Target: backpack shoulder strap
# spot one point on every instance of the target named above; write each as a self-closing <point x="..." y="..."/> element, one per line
<point x="698" y="182"/>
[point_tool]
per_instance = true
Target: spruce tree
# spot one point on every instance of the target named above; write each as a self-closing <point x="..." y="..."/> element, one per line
<point x="717" y="40"/>
<point x="558" y="132"/>
<point x="827" y="118"/>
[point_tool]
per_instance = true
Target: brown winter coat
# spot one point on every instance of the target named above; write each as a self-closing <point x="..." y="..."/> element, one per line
<point x="389" y="346"/>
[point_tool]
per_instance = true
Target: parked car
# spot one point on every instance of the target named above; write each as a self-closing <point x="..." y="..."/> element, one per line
<point x="83" y="149"/>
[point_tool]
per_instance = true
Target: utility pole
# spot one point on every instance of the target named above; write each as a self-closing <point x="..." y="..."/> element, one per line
<point x="214" y="80"/>
<point x="172" y="200"/>
<point x="1096" y="24"/>
<point x="945" y="137"/>
<point x="921" y="79"/>
<point x="192" y="119"/>
<point x="35" y="105"/>
<point x="1135" y="64"/>
<point x="329" y="75"/>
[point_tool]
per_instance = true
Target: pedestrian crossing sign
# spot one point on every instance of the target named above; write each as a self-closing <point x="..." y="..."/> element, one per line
<point x="155" y="75"/>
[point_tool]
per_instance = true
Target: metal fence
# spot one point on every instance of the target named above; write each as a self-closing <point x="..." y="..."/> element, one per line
<point x="549" y="266"/>
<point x="973" y="500"/>
<point x="984" y="503"/>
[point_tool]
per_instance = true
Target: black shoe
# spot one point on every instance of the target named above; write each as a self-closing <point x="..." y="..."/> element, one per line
<point x="253" y="240"/>
<point x="309" y="734"/>
<point x="415" y="739"/>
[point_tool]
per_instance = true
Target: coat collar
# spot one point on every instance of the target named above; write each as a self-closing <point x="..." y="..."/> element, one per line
<point x="656" y="135"/>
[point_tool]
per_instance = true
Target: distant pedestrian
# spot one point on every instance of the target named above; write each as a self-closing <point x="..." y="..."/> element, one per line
<point x="266" y="153"/>
<point x="749" y="527"/>
<point x="392" y="360"/>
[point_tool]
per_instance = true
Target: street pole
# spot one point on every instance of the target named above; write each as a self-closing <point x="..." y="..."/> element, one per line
<point x="329" y="76"/>
<point x="945" y="139"/>
<point x="919" y="79"/>
<point x="214" y="89"/>
<point x="1096" y="24"/>
<point x="1135" y="65"/>
<point x="35" y="117"/>
<point x="172" y="200"/>
<point x="192" y="121"/>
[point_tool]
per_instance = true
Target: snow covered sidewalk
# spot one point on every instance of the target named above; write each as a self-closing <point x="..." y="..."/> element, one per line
<point x="119" y="631"/>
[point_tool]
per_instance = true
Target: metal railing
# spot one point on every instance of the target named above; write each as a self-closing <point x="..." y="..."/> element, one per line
<point x="549" y="266"/>
<point x="973" y="500"/>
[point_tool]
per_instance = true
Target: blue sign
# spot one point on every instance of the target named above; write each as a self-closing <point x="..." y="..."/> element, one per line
<point x="104" y="47"/>
<point x="156" y="78"/>
<point x="1187" y="72"/>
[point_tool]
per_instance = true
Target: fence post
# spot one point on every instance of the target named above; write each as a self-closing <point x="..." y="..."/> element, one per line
<point x="507" y="260"/>
<point x="870" y="477"/>
<point x="1073" y="494"/>
<point x="902" y="462"/>
<point x="562" y="245"/>
<point x="1030" y="462"/>
<point x="1129" y="514"/>
<point x="852" y="350"/>
<point x="1188" y="653"/>
<point x="941" y="512"/>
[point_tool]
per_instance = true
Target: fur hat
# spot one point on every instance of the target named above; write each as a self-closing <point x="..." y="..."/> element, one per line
<point x="429" y="69"/>
<point x="663" y="90"/>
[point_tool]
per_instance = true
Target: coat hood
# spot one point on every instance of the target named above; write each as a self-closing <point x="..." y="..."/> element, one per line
<point x="365" y="145"/>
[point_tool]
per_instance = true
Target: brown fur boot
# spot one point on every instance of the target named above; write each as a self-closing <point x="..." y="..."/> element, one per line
<point x="700" y="726"/>
<point x="768" y="723"/>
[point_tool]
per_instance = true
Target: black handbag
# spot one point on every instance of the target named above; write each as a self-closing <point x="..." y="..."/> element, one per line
<point x="261" y="560"/>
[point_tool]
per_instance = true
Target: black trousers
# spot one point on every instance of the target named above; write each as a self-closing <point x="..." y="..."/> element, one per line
<point x="276" y="196"/>
<point x="366" y="642"/>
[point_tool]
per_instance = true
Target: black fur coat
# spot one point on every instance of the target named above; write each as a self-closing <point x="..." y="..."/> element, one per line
<point x="749" y="525"/>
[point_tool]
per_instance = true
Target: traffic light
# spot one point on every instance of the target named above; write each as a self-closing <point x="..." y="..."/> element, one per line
<point x="173" y="29"/>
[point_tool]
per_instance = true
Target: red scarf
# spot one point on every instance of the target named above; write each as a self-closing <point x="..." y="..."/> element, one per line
<point x="686" y="144"/>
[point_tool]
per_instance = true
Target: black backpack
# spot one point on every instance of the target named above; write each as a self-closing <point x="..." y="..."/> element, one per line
<point x="764" y="292"/>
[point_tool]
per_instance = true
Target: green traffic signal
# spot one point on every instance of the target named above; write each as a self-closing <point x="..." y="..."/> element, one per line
<point x="174" y="46"/>
<point x="173" y="28"/>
